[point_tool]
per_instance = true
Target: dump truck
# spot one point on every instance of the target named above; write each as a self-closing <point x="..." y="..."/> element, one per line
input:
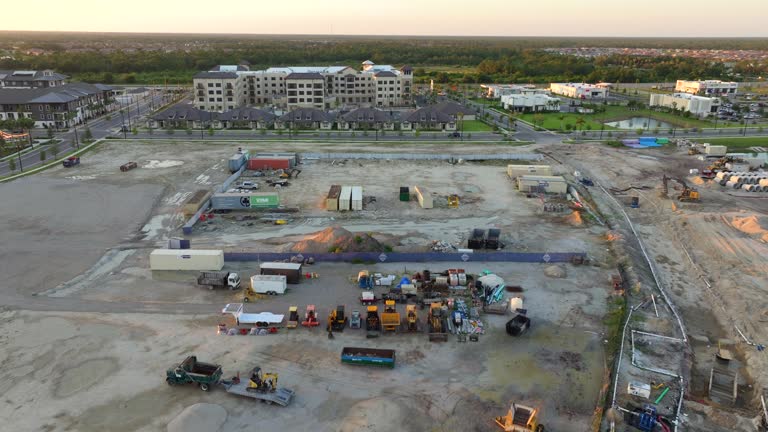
<point x="520" y="418"/>
<point x="337" y="320"/>
<point x="390" y="318"/>
<point x="372" y="322"/>
<point x="436" y="322"/>
<point x="411" y="319"/>
<point x="219" y="279"/>
<point x="293" y="317"/>
<point x="191" y="371"/>
<point x="368" y="356"/>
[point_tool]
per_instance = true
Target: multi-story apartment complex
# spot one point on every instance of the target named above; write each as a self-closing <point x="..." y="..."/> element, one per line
<point x="322" y="87"/>
<point x="56" y="107"/>
<point x="580" y="91"/>
<point x="697" y="105"/>
<point x="707" y="87"/>
<point x="22" y="79"/>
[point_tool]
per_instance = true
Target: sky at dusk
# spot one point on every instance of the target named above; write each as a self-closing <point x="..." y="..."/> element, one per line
<point x="741" y="18"/>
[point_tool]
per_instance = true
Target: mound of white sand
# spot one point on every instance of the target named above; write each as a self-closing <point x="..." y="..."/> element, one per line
<point x="555" y="271"/>
<point x="202" y="417"/>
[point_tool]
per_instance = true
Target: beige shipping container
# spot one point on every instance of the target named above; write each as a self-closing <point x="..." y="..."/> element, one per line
<point x="425" y="199"/>
<point x="521" y="170"/>
<point x="192" y="205"/>
<point x="186" y="259"/>
<point x="551" y="184"/>
<point x="715" y="150"/>
<point x="332" y="200"/>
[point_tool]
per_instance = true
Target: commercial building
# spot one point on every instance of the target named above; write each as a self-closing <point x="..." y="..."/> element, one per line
<point x="530" y="100"/>
<point x="707" y="87"/>
<point x="22" y="79"/>
<point x="56" y="106"/>
<point x="697" y="105"/>
<point x="322" y="87"/>
<point x="496" y="91"/>
<point x="580" y="91"/>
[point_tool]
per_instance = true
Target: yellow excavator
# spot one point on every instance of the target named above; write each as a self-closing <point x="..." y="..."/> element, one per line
<point x="520" y="418"/>
<point x="294" y="173"/>
<point x="262" y="382"/>
<point x="688" y="194"/>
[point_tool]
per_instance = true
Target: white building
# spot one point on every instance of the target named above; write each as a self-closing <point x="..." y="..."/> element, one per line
<point x="496" y="91"/>
<point x="707" y="87"/>
<point x="697" y="105"/>
<point x="580" y="91"/>
<point x="530" y="99"/>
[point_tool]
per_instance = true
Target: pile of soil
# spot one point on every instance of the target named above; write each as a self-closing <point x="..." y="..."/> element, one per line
<point x="555" y="271"/>
<point x="574" y="219"/>
<point x="753" y="225"/>
<point x="337" y="239"/>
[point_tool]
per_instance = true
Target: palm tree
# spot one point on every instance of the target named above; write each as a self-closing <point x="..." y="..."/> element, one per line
<point x="561" y="117"/>
<point x="579" y="122"/>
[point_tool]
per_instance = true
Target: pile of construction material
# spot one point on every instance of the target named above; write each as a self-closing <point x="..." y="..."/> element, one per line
<point x="479" y="240"/>
<point x="344" y="198"/>
<point x="754" y="181"/>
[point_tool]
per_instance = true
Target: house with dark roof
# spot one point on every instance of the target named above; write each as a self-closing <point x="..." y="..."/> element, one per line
<point x="184" y="116"/>
<point x="246" y="118"/>
<point x="366" y="119"/>
<point x="306" y="118"/>
<point x="429" y="117"/>
<point x="456" y="110"/>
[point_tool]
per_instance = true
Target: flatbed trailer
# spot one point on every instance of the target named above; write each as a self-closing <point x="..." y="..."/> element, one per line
<point x="281" y="396"/>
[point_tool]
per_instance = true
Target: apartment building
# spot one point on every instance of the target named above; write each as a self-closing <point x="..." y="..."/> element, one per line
<point x="707" y="87"/>
<point x="220" y="90"/>
<point x="21" y="79"/>
<point x="580" y="91"/>
<point x="697" y="105"/>
<point x="56" y="107"/>
<point x="323" y="87"/>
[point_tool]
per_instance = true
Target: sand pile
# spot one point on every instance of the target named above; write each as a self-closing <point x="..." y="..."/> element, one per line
<point x="337" y="239"/>
<point x="202" y="417"/>
<point x="555" y="271"/>
<point x="752" y="225"/>
<point x="574" y="219"/>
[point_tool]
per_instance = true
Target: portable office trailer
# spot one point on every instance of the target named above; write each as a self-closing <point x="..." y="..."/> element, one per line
<point x="521" y="170"/>
<point x="357" y="198"/>
<point x="186" y="259"/>
<point x="425" y="199"/>
<point x="345" y="199"/>
<point x="547" y="184"/>
<point x="193" y="204"/>
<point x="332" y="200"/>
<point x="292" y="271"/>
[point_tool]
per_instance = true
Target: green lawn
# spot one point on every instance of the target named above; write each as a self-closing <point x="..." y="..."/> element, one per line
<point x="475" y="126"/>
<point x="552" y="121"/>
<point x="738" y="143"/>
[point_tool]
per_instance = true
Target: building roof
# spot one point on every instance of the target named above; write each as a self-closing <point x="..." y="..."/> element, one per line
<point x="368" y="63"/>
<point x="308" y="115"/>
<point x="184" y="111"/>
<point x="429" y="113"/>
<point x="307" y="69"/>
<point x="304" y="75"/>
<point x="385" y="74"/>
<point x="215" y="75"/>
<point x="452" y="108"/>
<point x="367" y="115"/>
<point x="247" y="114"/>
<point x="31" y="75"/>
<point x="229" y="68"/>
<point x="61" y="94"/>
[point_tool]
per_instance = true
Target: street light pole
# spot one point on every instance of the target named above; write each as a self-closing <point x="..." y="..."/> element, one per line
<point x="21" y="166"/>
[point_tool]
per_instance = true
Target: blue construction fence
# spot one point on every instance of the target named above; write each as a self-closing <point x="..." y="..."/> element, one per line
<point x="387" y="257"/>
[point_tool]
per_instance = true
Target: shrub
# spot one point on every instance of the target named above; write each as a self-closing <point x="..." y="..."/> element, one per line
<point x="42" y="155"/>
<point x="189" y="131"/>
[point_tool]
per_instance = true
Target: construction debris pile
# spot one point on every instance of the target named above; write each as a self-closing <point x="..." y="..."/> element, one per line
<point x="337" y="239"/>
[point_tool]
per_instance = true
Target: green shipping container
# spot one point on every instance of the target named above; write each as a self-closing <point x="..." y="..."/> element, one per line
<point x="662" y="140"/>
<point x="268" y="201"/>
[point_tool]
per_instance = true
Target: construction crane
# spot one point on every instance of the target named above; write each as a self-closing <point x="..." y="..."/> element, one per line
<point x="688" y="194"/>
<point x="520" y="418"/>
<point x="262" y="382"/>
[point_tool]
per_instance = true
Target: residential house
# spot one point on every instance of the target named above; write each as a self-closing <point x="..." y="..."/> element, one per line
<point x="366" y="119"/>
<point x="306" y="118"/>
<point x="246" y="118"/>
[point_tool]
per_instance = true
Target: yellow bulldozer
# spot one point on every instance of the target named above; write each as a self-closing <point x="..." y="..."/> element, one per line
<point x="520" y="418"/>
<point x="390" y="318"/>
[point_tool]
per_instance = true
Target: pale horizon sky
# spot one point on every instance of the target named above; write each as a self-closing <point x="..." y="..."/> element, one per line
<point x="651" y="18"/>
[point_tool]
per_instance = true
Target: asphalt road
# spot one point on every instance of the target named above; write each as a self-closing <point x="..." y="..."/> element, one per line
<point x="100" y="128"/>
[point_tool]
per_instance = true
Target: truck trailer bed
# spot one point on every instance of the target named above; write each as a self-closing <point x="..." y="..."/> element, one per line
<point x="281" y="396"/>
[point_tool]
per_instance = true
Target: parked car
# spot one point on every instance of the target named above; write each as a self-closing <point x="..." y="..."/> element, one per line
<point x="71" y="161"/>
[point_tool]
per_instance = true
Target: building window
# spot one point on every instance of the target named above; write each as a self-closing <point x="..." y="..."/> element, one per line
<point x="210" y="84"/>
<point x="218" y="84"/>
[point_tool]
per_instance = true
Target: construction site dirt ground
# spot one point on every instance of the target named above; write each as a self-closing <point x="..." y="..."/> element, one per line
<point x="87" y="348"/>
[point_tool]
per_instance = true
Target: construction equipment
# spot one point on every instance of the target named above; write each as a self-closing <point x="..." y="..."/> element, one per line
<point x="293" y="317"/>
<point x="390" y="318"/>
<point x="693" y="151"/>
<point x="355" y="321"/>
<point x="645" y="418"/>
<point x="520" y="418"/>
<point x="411" y="319"/>
<point x="219" y="279"/>
<point x="372" y="322"/>
<point x="191" y="371"/>
<point x="688" y="194"/>
<point x="337" y="320"/>
<point x="294" y="173"/>
<point x="368" y="298"/>
<point x="437" y="325"/>
<point x="364" y="280"/>
<point x="453" y="201"/>
<point x="262" y="382"/>
<point x="310" y="318"/>
<point x="586" y="181"/>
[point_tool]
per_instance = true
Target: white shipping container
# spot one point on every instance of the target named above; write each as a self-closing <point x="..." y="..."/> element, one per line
<point x="518" y="170"/>
<point x="357" y="198"/>
<point x="345" y="199"/>
<point x="186" y="259"/>
<point x="423" y="196"/>
<point x="269" y="284"/>
<point x="715" y="150"/>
